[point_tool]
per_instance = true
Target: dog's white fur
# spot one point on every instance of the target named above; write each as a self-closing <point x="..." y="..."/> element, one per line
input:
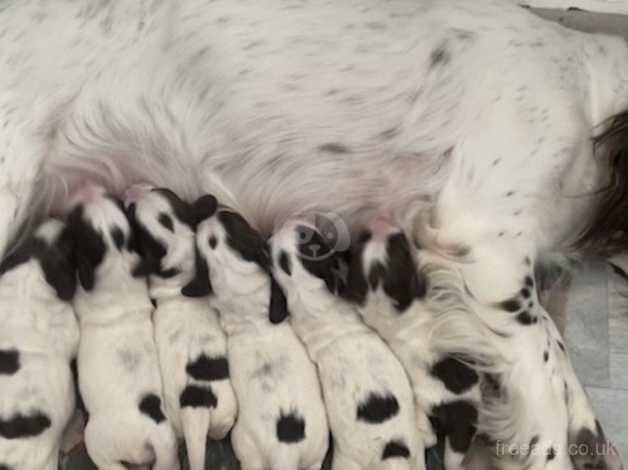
<point x="353" y="362"/>
<point x="44" y="331"/>
<point x="186" y="329"/>
<point x="271" y="372"/>
<point x="280" y="107"/>
<point x="117" y="360"/>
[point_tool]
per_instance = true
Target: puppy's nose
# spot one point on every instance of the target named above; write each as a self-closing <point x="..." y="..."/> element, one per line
<point x="135" y="192"/>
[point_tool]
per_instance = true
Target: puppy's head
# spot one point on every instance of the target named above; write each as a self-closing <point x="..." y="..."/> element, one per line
<point x="235" y="261"/>
<point x="48" y="253"/>
<point x="383" y="270"/>
<point x="303" y="260"/>
<point x="103" y="240"/>
<point x="164" y="227"/>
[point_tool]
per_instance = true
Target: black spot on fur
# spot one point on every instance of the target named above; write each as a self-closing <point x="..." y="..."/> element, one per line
<point x="593" y="449"/>
<point x="377" y="408"/>
<point x="551" y="454"/>
<point x="458" y="421"/>
<point x="402" y="281"/>
<point x="396" y="449"/>
<point x="545" y="356"/>
<point x="166" y="221"/>
<point x="213" y="242"/>
<point x="21" y="426"/>
<point x="561" y="345"/>
<point x="457" y="376"/>
<point x="9" y="361"/>
<point x="440" y="56"/>
<point x="525" y="318"/>
<point x="525" y="293"/>
<point x="511" y="305"/>
<point x="529" y="281"/>
<point x="208" y="368"/>
<point x="150" y="405"/>
<point x="334" y="147"/>
<point x="285" y="263"/>
<point x="194" y="396"/>
<point x="290" y="428"/>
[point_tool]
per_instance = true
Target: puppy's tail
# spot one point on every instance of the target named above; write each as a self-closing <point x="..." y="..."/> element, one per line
<point x="195" y="421"/>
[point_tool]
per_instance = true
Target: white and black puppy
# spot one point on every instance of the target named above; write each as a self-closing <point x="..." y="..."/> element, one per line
<point x="38" y="339"/>
<point x="192" y="347"/>
<point x="385" y="282"/>
<point x="367" y="393"/>
<point x="281" y="423"/>
<point x="118" y="366"/>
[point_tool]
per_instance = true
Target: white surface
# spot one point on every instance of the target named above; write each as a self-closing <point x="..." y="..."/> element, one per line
<point x="606" y="6"/>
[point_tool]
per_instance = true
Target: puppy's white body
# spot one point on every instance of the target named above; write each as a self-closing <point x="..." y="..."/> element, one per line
<point x="274" y="379"/>
<point x="354" y="366"/>
<point x="118" y="367"/>
<point x="192" y="347"/>
<point x="42" y="331"/>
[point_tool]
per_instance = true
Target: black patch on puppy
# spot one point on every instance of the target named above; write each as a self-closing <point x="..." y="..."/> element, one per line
<point x="21" y="426"/>
<point x="203" y="208"/>
<point x="194" y="396"/>
<point x="166" y="221"/>
<point x="440" y="56"/>
<point x="278" y="306"/>
<point x="4" y="467"/>
<point x="213" y="242"/>
<point x="561" y="345"/>
<point x="401" y="279"/>
<point x="455" y="375"/>
<point x="284" y="263"/>
<point x="148" y="247"/>
<point x="290" y="428"/>
<point x="208" y="368"/>
<point x="529" y="281"/>
<point x="545" y="356"/>
<point x="551" y="454"/>
<point x="150" y="405"/>
<point x="396" y="449"/>
<point x="458" y="421"/>
<point x="510" y="305"/>
<point x="378" y="408"/>
<point x="245" y="240"/>
<point x="9" y="361"/>
<point x="524" y="318"/>
<point x="89" y="250"/>
<point x="56" y="261"/>
<point x="316" y="256"/>
<point x="199" y="285"/>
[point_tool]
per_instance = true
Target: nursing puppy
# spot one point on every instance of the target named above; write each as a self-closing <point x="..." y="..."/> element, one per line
<point x="38" y="339"/>
<point x="390" y="292"/>
<point x="117" y="362"/>
<point x="367" y="394"/>
<point x="199" y="399"/>
<point x="281" y="422"/>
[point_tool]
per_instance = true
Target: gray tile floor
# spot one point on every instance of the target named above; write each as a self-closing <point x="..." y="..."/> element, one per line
<point x="597" y="339"/>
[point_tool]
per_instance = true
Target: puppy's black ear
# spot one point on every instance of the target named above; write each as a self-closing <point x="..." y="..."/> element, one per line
<point x="89" y="248"/>
<point x="203" y="208"/>
<point x="278" y="308"/>
<point x="200" y="285"/>
<point x="58" y="268"/>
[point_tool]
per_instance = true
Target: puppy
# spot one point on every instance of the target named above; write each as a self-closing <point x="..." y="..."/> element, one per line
<point x="117" y="362"/>
<point x="385" y="282"/>
<point x="281" y="423"/>
<point x="367" y="394"/>
<point x="38" y="339"/>
<point x="192" y="347"/>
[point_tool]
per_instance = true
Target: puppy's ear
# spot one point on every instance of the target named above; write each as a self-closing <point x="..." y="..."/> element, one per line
<point x="89" y="248"/>
<point x="58" y="268"/>
<point x="278" y="308"/>
<point x="203" y="208"/>
<point x="200" y="285"/>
